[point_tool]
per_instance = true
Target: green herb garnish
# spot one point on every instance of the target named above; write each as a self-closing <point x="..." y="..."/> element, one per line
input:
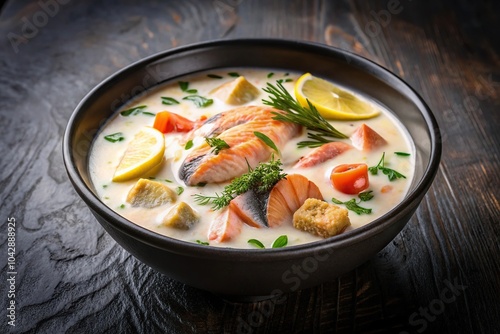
<point x="233" y="74"/>
<point x="353" y="206"/>
<point x="391" y="173"/>
<point x="179" y="190"/>
<point x="202" y="242"/>
<point x="268" y="141"/>
<point x="217" y="144"/>
<point x="288" y="80"/>
<point x="169" y="101"/>
<point x="184" y="86"/>
<point x="256" y="243"/>
<point x="214" y="76"/>
<point x="122" y="206"/>
<point x="199" y="101"/>
<point x="189" y="144"/>
<point x="402" y="154"/>
<point x="270" y="75"/>
<point x="261" y="179"/>
<point x="114" y="137"/>
<point x="280" y="242"/>
<point x="133" y="111"/>
<point x="366" y="196"/>
<point x="309" y="116"/>
<point x="147" y="113"/>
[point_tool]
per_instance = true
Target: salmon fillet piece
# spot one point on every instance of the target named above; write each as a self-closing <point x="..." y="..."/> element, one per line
<point x="365" y="138"/>
<point x="323" y="153"/>
<point x="236" y="127"/>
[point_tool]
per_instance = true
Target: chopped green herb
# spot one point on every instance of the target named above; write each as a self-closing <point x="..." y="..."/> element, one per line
<point x="261" y="179"/>
<point x="199" y="101"/>
<point x="366" y="196"/>
<point x="256" y="243"/>
<point x="114" y="137"/>
<point x="309" y="117"/>
<point x="133" y="111"/>
<point x="287" y="74"/>
<point x="106" y="197"/>
<point x="391" y="173"/>
<point x="168" y="181"/>
<point x="202" y="242"/>
<point x="289" y="80"/>
<point x="270" y="75"/>
<point x="104" y="185"/>
<point x="268" y="141"/>
<point x="122" y="206"/>
<point x="136" y="111"/>
<point x="280" y="242"/>
<point x="151" y="177"/>
<point x="169" y="101"/>
<point x="192" y="91"/>
<point x="214" y="76"/>
<point x="183" y="85"/>
<point x="403" y="154"/>
<point x="217" y="144"/>
<point x="353" y="206"/>
<point x="233" y="74"/>
<point x="179" y="190"/>
<point x="189" y="144"/>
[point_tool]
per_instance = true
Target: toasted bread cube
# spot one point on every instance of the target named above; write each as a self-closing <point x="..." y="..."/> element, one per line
<point x="181" y="216"/>
<point x="321" y="218"/>
<point x="150" y="194"/>
<point x="236" y="92"/>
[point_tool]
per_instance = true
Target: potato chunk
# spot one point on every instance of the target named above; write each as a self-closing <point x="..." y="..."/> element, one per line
<point x="321" y="218"/>
<point x="149" y="194"/>
<point x="181" y="216"/>
<point x="236" y="92"/>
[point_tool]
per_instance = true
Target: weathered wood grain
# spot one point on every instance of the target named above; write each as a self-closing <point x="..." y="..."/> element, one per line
<point x="72" y="277"/>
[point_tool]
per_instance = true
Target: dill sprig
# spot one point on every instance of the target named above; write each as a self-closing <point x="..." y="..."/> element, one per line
<point x="260" y="179"/>
<point x="309" y="116"/>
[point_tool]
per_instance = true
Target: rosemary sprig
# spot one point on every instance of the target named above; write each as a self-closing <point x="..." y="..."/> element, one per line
<point x="261" y="178"/>
<point x="217" y="144"/>
<point x="309" y="116"/>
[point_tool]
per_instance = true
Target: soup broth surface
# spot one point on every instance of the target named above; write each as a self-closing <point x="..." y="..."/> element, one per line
<point x="105" y="157"/>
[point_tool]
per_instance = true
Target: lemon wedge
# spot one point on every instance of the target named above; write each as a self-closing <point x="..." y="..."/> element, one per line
<point x="331" y="101"/>
<point x="144" y="152"/>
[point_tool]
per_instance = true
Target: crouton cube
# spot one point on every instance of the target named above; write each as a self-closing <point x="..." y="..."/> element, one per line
<point x="150" y="194"/>
<point x="236" y="92"/>
<point x="181" y="216"/>
<point x="321" y="218"/>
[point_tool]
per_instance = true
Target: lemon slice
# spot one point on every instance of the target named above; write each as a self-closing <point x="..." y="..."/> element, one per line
<point x="144" y="152"/>
<point x="331" y="101"/>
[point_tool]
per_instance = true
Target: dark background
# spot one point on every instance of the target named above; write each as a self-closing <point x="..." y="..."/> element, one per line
<point x="439" y="275"/>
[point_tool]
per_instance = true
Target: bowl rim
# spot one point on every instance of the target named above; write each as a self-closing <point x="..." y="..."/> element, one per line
<point x="239" y="254"/>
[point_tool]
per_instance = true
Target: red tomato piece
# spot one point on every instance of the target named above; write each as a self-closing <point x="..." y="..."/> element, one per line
<point x="350" y="178"/>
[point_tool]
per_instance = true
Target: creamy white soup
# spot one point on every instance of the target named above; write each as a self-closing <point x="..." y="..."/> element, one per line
<point x="186" y="175"/>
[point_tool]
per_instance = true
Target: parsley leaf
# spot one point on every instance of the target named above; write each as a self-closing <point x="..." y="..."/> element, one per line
<point x="199" y="101"/>
<point x="133" y="111"/>
<point x="280" y="242"/>
<point x="114" y="137"/>
<point x="256" y="243"/>
<point x="391" y="173"/>
<point x="169" y="101"/>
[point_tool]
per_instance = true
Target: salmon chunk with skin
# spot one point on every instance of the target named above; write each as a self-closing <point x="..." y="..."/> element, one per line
<point x="236" y="127"/>
<point x="365" y="138"/>
<point x="226" y="226"/>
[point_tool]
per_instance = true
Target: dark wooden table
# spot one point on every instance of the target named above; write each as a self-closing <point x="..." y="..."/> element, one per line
<point x="441" y="274"/>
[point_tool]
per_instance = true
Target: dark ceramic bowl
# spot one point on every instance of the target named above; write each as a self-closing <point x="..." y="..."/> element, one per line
<point x="242" y="272"/>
